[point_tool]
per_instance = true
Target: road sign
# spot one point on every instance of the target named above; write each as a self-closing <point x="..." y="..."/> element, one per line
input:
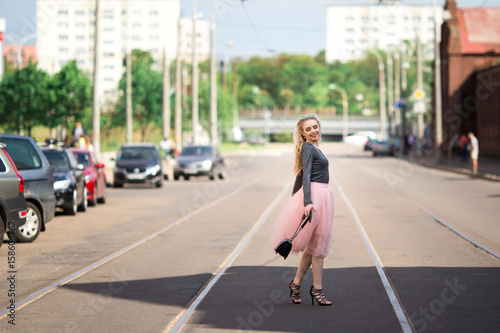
<point x="418" y="94"/>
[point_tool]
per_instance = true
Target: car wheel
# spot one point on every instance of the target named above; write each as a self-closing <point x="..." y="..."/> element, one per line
<point x="93" y="201"/>
<point x="116" y="184"/>
<point x="186" y="177"/>
<point x="176" y="177"/>
<point x="29" y="231"/>
<point x="85" y="203"/>
<point x="74" y="207"/>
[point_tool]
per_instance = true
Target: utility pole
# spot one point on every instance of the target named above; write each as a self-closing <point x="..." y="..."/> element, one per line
<point x="390" y="91"/>
<point x="438" y="112"/>
<point x="96" y="112"/>
<point x="403" y="99"/>
<point x="128" y="92"/>
<point x="178" y="91"/>
<point x="213" y="85"/>
<point x="195" y="80"/>
<point x="236" y="114"/>
<point x="166" y="94"/>
<point x="397" y="91"/>
<point x="420" y="110"/>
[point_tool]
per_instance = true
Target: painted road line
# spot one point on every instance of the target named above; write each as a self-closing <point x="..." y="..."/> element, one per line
<point x="396" y="305"/>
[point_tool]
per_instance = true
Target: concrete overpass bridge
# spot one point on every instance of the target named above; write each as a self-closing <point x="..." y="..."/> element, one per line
<point x="332" y="124"/>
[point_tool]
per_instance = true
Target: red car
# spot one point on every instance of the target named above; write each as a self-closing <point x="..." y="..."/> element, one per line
<point x="94" y="175"/>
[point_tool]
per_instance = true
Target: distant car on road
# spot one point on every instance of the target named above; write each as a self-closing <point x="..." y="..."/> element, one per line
<point x="13" y="209"/>
<point x="138" y="163"/>
<point x="369" y="144"/>
<point x="359" y="138"/>
<point x="199" y="161"/>
<point x="95" y="177"/>
<point x="383" y="148"/>
<point x="69" y="181"/>
<point x="38" y="184"/>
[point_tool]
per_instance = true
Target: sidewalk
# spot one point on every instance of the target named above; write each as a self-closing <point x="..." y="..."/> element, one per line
<point x="488" y="168"/>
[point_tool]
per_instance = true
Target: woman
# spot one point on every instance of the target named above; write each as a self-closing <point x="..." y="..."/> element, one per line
<point x="311" y="193"/>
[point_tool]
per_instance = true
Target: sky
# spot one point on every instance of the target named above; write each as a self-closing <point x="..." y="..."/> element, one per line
<point x="243" y="28"/>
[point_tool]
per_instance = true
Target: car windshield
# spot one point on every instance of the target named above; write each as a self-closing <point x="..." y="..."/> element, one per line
<point x="137" y="153"/>
<point x="82" y="158"/>
<point x="58" y="160"/>
<point x="23" y="153"/>
<point x="197" y="151"/>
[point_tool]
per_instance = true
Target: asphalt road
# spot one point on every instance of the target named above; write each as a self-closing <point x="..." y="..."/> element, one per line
<point x="194" y="256"/>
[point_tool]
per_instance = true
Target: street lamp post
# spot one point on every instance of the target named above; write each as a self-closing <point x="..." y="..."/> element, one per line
<point x="381" y="70"/>
<point x="345" y="106"/>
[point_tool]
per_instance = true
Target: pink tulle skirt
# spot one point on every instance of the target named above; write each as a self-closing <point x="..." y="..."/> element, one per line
<point x="315" y="237"/>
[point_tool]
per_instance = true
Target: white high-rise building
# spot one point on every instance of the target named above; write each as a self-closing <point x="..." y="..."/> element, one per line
<point x="66" y="31"/>
<point x="350" y="30"/>
<point x="202" y="39"/>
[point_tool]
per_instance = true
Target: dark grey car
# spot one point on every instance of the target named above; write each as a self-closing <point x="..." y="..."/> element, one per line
<point x="138" y="163"/>
<point x="13" y="208"/>
<point x="38" y="184"/>
<point x="199" y="161"/>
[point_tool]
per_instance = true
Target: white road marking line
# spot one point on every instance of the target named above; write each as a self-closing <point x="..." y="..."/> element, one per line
<point x="179" y="321"/>
<point x="403" y="321"/>
<point x="118" y="253"/>
<point x="442" y="222"/>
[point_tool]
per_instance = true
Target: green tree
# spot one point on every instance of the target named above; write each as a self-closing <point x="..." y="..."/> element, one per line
<point x="70" y="91"/>
<point x="24" y="98"/>
<point x="147" y="93"/>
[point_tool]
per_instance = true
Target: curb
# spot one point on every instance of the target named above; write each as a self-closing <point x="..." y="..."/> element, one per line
<point x="463" y="171"/>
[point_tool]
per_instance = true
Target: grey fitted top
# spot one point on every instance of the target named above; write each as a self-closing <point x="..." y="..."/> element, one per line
<point x="314" y="169"/>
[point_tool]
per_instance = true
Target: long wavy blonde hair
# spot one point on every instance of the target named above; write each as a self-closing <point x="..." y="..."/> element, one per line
<point x="299" y="141"/>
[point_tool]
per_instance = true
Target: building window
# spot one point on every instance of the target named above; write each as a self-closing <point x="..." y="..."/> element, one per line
<point x="154" y="25"/>
<point x="136" y="38"/>
<point x="365" y="18"/>
<point x="63" y="25"/>
<point x="80" y="50"/>
<point x="63" y="50"/>
<point x="109" y="67"/>
<point x="63" y="37"/>
<point x="137" y="12"/>
<point x="80" y="25"/>
<point x="349" y="29"/>
<point x="80" y="37"/>
<point x="92" y="12"/>
<point x="136" y="25"/>
<point x="108" y="54"/>
<point x="108" y="29"/>
<point x="108" y="42"/>
<point x="62" y="12"/>
<point x="153" y="13"/>
<point x="349" y="41"/>
<point x="124" y="12"/>
<point x="79" y="13"/>
<point x="154" y="38"/>
<point x="349" y="18"/>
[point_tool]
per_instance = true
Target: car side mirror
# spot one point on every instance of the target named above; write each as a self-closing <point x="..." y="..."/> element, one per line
<point x="112" y="159"/>
<point x="99" y="165"/>
<point x="79" y="167"/>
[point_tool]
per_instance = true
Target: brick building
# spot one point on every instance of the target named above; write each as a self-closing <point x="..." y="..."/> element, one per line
<point x="470" y="51"/>
<point x="27" y="52"/>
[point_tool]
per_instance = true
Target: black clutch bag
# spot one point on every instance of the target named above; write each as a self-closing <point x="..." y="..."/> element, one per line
<point x="285" y="246"/>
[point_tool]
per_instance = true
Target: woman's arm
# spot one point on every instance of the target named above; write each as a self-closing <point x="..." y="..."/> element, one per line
<point x="307" y="159"/>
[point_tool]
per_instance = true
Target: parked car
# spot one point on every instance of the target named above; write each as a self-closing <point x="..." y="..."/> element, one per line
<point x="13" y="208"/>
<point x="95" y="177"/>
<point x="38" y="184"/>
<point x="69" y="181"/>
<point x="199" y="161"/>
<point x="383" y="148"/>
<point x="138" y="163"/>
<point x="359" y="138"/>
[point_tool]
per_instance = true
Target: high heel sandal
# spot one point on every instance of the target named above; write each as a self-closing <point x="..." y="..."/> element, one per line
<point x="295" y="293"/>
<point x="319" y="296"/>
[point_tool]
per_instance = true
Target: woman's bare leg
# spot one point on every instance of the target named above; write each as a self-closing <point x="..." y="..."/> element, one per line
<point x="305" y="263"/>
<point x="317" y="269"/>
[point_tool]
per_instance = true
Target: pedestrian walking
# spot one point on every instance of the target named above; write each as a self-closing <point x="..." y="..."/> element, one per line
<point x="474" y="151"/>
<point x="166" y="146"/>
<point x="311" y="193"/>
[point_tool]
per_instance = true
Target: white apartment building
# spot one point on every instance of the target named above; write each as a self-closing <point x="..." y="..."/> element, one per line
<point x="66" y="31"/>
<point x="350" y="30"/>
<point x="202" y="39"/>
